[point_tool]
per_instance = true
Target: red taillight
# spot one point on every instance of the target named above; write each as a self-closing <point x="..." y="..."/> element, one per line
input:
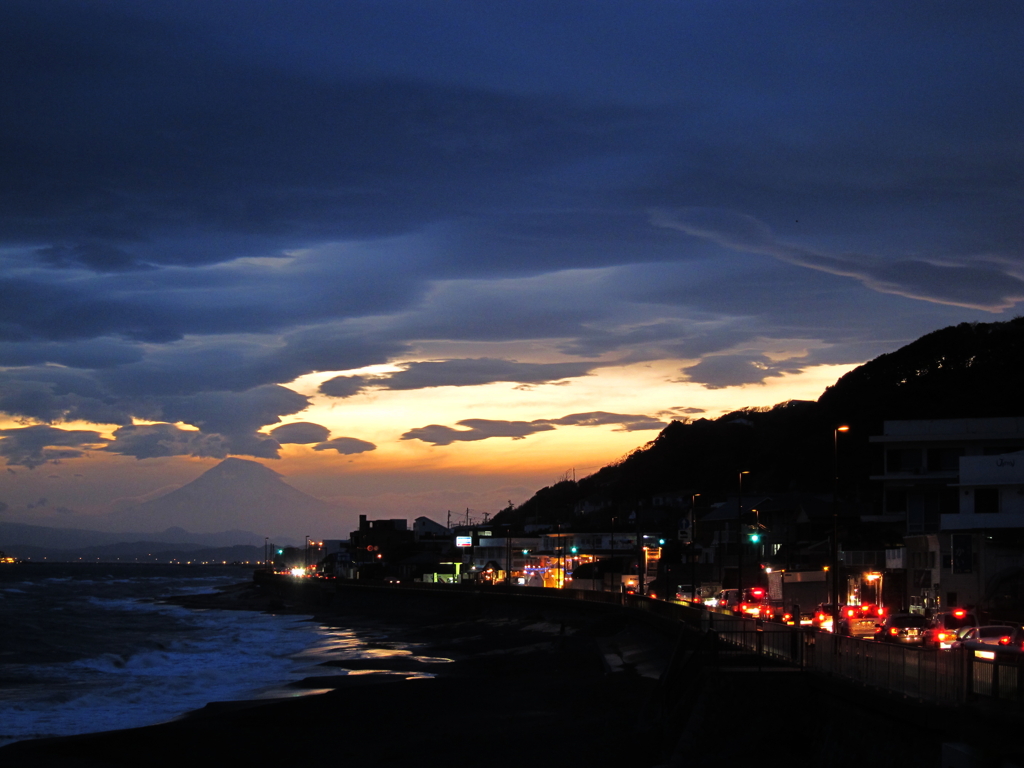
<point x="1004" y="640"/>
<point x="821" y="617"/>
<point x="893" y="631"/>
<point x="757" y="592"/>
<point x="850" y="612"/>
<point x="881" y="611"/>
<point x="959" y="613"/>
<point x="941" y="637"/>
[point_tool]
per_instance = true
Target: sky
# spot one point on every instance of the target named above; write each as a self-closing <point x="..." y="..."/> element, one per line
<point x="419" y="256"/>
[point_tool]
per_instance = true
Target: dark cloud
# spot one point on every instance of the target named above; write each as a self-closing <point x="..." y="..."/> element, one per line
<point x="300" y="433"/>
<point x="628" y="422"/>
<point x="88" y="353"/>
<point x="343" y="386"/>
<point x="720" y="371"/>
<point x="53" y="394"/>
<point x="483" y="429"/>
<point x="476" y="429"/>
<point x="483" y="370"/>
<point x="100" y="257"/>
<point x="158" y="440"/>
<point x="34" y="446"/>
<point x="234" y="413"/>
<point x="976" y="286"/>
<point x="346" y="446"/>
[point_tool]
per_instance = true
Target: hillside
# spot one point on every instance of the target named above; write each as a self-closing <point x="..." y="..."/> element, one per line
<point x="971" y="370"/>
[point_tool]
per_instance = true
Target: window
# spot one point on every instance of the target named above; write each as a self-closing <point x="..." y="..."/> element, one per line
<point x="895" y="502"/>
<point x="903" y="460"/>
<point x="986" y="501"/>
<point x="944" y="459"/>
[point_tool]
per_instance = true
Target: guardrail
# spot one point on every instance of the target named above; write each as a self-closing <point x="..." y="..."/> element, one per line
<point x="949" y="678"/>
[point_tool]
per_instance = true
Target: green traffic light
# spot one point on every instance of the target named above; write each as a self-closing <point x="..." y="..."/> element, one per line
<point x="755" y="538"/>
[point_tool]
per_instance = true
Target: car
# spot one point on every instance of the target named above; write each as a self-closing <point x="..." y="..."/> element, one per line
<point x="860" y="620"/>
<point x="726" y="599"/>
<point x="822" y="618"/>
<point x="948" y="626"/>
<point x="903" y="628"/>
<point x="986" y="641"/>
<point x="687" y="594"/>
<point x="755" y="604"/>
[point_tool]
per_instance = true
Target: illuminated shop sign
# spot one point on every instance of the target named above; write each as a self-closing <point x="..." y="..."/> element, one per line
<point x="463" y="541"/>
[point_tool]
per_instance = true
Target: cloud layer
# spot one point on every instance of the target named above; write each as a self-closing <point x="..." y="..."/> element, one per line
<point x="200" y="205"/>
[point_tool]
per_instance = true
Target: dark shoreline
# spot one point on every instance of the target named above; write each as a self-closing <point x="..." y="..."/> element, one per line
<point x="523" y="681"/>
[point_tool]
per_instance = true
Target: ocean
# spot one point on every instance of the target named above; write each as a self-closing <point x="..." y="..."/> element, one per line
<point x="90" y="647"/>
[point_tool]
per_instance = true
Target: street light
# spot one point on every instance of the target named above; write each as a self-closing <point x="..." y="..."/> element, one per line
<point x="693" y="547"/>
<point x="739" y="539"/>
<point x="835" y="524"/>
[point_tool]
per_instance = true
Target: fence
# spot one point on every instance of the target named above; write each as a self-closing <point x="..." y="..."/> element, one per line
<point x="941" y="677"/>
<point x="949" y="678"/>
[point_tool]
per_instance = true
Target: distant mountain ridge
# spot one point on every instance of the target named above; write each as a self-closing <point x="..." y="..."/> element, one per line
<point x="77" y="538"/>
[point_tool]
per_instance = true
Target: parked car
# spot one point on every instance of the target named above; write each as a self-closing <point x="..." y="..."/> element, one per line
<point x="986" y="641"/>
<point x="904" y="628"/>
<point x="948" y="626"/>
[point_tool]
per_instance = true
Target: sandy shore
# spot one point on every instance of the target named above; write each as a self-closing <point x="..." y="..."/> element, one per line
<point x="521" y="683"/>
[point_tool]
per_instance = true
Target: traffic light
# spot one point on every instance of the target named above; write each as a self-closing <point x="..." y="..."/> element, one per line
<point x="754" y="537"/>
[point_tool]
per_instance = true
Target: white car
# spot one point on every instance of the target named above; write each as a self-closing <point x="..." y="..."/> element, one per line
<point x="986" y="641"/>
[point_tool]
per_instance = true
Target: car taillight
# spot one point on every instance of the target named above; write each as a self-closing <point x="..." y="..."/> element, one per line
<point x="821" y="617"/>
<point x="941" y="637"/>
<point x="893" y="631"/>
<point x="959" y="613"/>
<point x="1004" y="640"/>
<point x="850" y="612"/>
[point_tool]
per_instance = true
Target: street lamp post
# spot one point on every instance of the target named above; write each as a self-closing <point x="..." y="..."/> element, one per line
<point x="693" y="548"/>
<point x="835" y="524"/>
<point x="739" y="539"/>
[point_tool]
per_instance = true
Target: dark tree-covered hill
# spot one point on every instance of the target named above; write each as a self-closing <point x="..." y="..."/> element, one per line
<point x="971" y="370"/>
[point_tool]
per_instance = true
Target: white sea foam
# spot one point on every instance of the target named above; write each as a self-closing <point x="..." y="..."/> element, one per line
<point x="230" y="655"/>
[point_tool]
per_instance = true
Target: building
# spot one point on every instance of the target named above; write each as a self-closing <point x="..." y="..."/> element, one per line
<point x="958" y="488"/>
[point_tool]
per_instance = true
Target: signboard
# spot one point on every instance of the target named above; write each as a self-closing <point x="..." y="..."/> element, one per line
<point x="463" y="541"/>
